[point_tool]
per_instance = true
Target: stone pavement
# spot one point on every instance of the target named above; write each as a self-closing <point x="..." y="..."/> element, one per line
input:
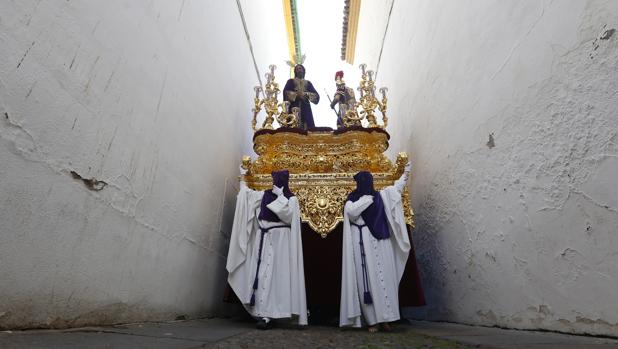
<point x="226" y="333"/>
<point x="491" y="337"/>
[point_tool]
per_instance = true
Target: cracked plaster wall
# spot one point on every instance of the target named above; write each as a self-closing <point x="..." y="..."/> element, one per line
<point x="121" y="128"/>
<point x="509" y="110"/>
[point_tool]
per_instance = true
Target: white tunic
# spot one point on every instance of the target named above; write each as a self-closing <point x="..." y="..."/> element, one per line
<point x="281" y="278"/>
<point x="385" y="262"/>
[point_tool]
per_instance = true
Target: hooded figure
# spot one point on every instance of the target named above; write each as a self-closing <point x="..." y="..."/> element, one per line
<point x="375" y="250"/>
<point x="299" y="92"/>
<point x="265" y="258"/>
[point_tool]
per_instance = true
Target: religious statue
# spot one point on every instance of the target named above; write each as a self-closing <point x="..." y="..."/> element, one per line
<point x="344" y="98"/>
<point x="376" y="246"/>
<point x="299" y="92"/>
<point x="265" y="258"/>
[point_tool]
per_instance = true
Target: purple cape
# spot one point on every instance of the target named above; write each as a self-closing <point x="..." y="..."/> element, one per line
<point x="374" y="215"/>
<point x="280" y="179"/>
<point x="306" y="115"/>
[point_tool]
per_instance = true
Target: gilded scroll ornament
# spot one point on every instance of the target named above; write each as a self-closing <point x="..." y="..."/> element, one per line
<point x="272" y="107"/>
<point x="322" y="166"/>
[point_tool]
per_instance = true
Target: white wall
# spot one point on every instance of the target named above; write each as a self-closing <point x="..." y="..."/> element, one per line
<point x="154" y="99"/>
<point x="266" y="25"/>
<point x="523" y="234"/>
<point x="373" y="22"/>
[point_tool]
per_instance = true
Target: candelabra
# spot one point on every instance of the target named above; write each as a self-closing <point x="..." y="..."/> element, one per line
<point x="271" y="105"/>
<point x="368" y="100"/>
<point x="350" y="115"/>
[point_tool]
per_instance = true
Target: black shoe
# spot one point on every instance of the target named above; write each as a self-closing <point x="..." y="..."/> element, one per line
<point x="262" y="324"/>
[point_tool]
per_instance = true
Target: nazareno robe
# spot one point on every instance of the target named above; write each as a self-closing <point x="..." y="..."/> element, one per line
<point x="278" y="291"/>
<point x="290" y="93"/>
<point x="384" y="257"/>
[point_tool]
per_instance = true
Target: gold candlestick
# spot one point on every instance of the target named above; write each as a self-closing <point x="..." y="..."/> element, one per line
<point x="272" y="107"/>
<point x="368" y="100"/>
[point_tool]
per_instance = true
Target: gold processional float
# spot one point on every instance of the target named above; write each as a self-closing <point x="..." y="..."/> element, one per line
<point x="322" y="163"/>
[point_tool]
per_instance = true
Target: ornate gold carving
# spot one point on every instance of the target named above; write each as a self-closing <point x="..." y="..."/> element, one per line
<point x="351" y="117"/>
<point x="368" y="100"/>
<point x="407" y="208"/>
<point x="400" y="164"/>
<point x="322" y="166"/>
<point x="257" y="106"/>
<point x="289" y="120"/>
<point x="246" y="163"/>
<point x="382" y="106"/>
<point x="272" y="106"/>
<point x="322" y="206"/>
<point x="322" y="152"/>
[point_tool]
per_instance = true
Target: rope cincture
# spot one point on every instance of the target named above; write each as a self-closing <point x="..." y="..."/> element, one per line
<point x="366" y="295"/>
<point x="257" y="270"/>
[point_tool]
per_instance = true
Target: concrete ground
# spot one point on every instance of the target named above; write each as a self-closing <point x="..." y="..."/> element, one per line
<point x="226" y="333"/>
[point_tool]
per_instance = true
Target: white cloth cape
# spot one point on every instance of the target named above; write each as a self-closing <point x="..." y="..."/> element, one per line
<point x="281" y="283"/>
<point x="396" y="248"/>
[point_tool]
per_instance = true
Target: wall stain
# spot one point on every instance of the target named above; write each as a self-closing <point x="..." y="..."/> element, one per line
<point x="24" y="56"/>
<point x="30" y="91"/>
<point x="74" y="57"/>
<point x="491" y="143"/>
<point x="91" y="73"/>
<point x="109" y="80"/>
<point x="161" y="93"/>
<point x="182" y="6"/>
<point x="90" y="183"/>
<point x="607" y="34"/>
<point x="95" y="27"/>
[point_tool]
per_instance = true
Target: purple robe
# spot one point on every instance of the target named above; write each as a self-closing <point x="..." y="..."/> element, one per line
<point x="374" y="215"/>
<point x="290" y="93"/>
<point x="280" y="179"/>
